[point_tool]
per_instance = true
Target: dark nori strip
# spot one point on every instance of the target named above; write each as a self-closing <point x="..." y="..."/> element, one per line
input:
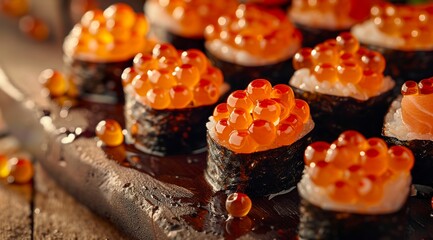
<point x="422" y="171"/>
<point x="316" y="223"/>
<point x="97" y="81"/>
<point x="334" y="114"/>
<point x="312" y="36"/>
<point x="168" y="131"/>
<point x="179" y="42"/>
<point x="406" y="65"/>
<point x="256" y="174"/>
<point x="239" y="76"/>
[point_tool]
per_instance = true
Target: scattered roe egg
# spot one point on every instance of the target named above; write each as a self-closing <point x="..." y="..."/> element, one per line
<point x="342" y="60"/>
<point x="34" y="28"/>
<point x="172" y="79"/>
<point x="238" y="205"/>
<point x="21" y="170"/>
<point x="109" y="132"/>
<point x="54" y="81"/>
<point x="5" y="167"/>
<point x="354" y="169"/>
<point x="261" y="117"/>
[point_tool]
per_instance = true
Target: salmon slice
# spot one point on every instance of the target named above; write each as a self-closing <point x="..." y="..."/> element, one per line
<point x="417" y="113"/>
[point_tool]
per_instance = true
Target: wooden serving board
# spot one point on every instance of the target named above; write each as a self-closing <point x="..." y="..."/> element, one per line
<point x="146" y="196"/>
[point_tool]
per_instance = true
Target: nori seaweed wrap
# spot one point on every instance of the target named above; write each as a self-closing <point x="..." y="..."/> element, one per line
<point x="355" y="188"/>
<point x="404" y="35"/>
<point x="182" y="23"/>
<point x="344" y="86"/>
<point x="321" y="20"/>
<point x="255" y="140"/>
<point x="169" y="97"/>
<point x="252" y="42"/>
<point x="408" y="123"/>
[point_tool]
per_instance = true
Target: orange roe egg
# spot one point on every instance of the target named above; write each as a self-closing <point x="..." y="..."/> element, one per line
<point x="5" y="167"/>
<point x="239" y="99"/>
<point x="371" y="81"/>
<point x="302" y="110"/>
<point x="288" y="130"/>
<point x="241" y="141"/>
<point x="34" y="28"/>
<point x="128" y="75"/>
<point x="378" y="144"/>
<point x="158" y="98"/>
<point x="196" y="58"/>
<point x="349" y="72"/>
<point x="14" y="8"/>
<point x="285" y="94"/>
<point x="164" y="50"/>
<point x="109" y="132"/>
<point x="223" y="129"/>
<point x="342" y="156"/>
<point x="351" y="57"/>
<point x="352" y="138"/>
<point x="144" y="62"/>
<point x="141" y="85"/>
<point x="263" y="132"/>
<point x="221" y="111"/>
<point x="238" y="205"/>
<point x="267" y="109"/>
<point x="374" y="161"/>
<point x="347" y="42"/>
<point x="409" y="88"/>
<point x="325" y="72"/>
<point x="205" y="93"/>
<point x="303" y="59"/>
<point x="120" y="13"/>
<point x="258" y="89"/>
<point x="187" y="75"/>
<point x="161" y="78"/>
<point x="240" y="119"/>
<point x="180" y="96"/>
<point x="342" y="192"/>
<point x="54" y="81"/>
<point x="315" y="152"/>
<point x="324" y="174"/>
<point x="400" y="159"/>
<point x="426" y="86"/>
<point x="374" y="61"/>
<point x="214" y="75"/>
<point x="21" y="170"/>
<point x="95" y="15"/>
<point x="324" y="53"/>
<point x="370" y="190"/>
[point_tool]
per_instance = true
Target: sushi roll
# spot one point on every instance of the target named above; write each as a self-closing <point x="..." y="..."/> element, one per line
<point x="404" y="35"/>
<point x="255" y="140"/>
<point x="100" y="46"/>
<point x="169" y="96"/>
<point x="324" y="19"/>
<point x="182" y="22"/>
<point x="409" y="122"/>
<point x="355" y="188"/>
<point x="252" y="42"/>
<point x="344" y="85"/>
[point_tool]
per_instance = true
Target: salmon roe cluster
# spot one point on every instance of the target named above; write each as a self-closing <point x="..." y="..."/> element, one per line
<point x="172" y="79"/>
<point x="117" y="33"/>
<point x="410" y="22"/>
<point x="342" y="10"/>
<point x="260" y="117"/>
<point x="354" y="169"/>
<point x="343" y="60"/>
<point x="16" y="169"/>
<point x="417" y="105"/>
<point x="258" y="31"/>
<point x="194" y="15"/>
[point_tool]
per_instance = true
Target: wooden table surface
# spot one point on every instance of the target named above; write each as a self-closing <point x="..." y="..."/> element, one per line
<point x="40" y="210"/>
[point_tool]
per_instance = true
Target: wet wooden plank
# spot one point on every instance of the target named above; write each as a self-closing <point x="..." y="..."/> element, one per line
<point x="58" y="216"/>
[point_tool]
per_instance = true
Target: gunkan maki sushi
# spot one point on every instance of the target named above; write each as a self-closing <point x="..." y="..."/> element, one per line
<point x="404" y="35"/>
<point x="324" y="19"/>
<point x="100" y="46"/>
<point x="255" y="140"/>
<point x="344" y="85"/>
<point x="169" y="97"/>
<point x="409" y="122"/>
<point x="182" y="22"/>
<point x="252" y="42"/>
<point x="355" y="188"/>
